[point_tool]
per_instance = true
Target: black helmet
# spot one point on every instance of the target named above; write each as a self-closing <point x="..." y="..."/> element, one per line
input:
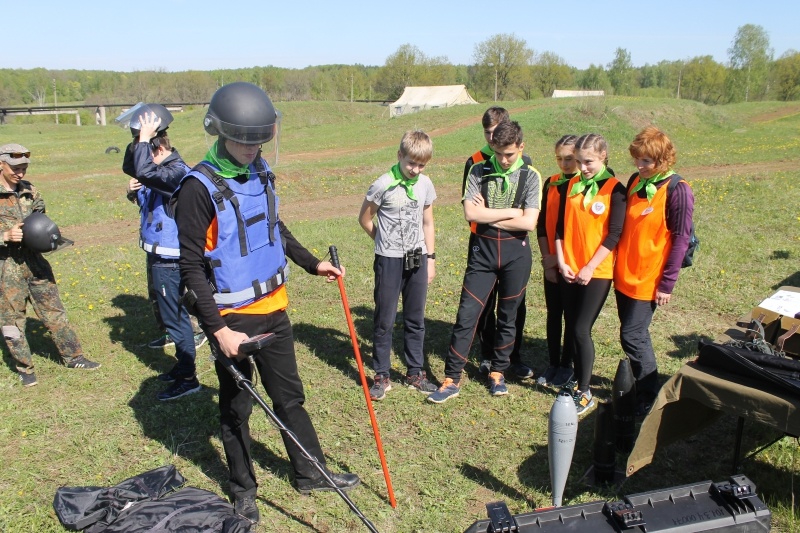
<point x="141" y="109"/>
<point x="41" y="234"/>
<point x="241" y="112"/>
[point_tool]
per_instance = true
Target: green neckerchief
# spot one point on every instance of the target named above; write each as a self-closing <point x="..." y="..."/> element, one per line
<point x="499" y="172"/>
<point x="563" y="179"/>
<point x="227" y="168"/>
<point x="649" y="184"/>
<point x="488" y="150"/>
<point x="591" y="184"/>
<point x="400" y="179"/>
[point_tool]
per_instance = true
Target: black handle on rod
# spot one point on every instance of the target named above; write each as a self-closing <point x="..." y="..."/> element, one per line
<point x="334" y="257"/>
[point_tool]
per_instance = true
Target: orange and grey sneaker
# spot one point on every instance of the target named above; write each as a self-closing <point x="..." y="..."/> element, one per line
<point x="449" y="389"/>
<point x="584" y="401"/>
<point x="497" y="384"/>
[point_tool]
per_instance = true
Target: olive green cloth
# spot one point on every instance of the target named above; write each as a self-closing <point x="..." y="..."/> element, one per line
<point x="696" y="396"/>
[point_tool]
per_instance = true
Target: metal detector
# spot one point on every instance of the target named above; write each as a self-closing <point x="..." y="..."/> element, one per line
<point x="253" y="344"/>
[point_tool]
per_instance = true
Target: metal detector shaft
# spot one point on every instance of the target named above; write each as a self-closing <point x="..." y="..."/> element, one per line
<point x="243" y="383"/>
<point x="354" y="340"/>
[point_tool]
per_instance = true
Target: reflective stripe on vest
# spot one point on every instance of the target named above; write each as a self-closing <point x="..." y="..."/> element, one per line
<point x="157" y="249"/>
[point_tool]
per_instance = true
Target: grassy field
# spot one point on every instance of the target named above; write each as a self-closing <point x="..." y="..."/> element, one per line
<point x="447" y="460"/>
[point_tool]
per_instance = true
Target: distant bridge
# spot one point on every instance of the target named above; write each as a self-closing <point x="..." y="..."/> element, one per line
<point x="99" y="113"/>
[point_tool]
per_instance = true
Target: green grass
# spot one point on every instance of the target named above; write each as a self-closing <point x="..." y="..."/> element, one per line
<point x="446" y="461"/>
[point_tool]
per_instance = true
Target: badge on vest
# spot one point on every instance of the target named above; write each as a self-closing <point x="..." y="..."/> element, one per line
<point x="598" y="208"/>
<point x="647" y="211"/>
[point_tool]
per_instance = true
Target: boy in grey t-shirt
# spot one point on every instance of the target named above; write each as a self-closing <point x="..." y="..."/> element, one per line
<point x="402" y="203"/>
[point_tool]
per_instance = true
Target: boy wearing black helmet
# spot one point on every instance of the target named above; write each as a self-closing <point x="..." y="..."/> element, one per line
<point x="156" y="170"/>
<point x="26" y="274"/>
<point x="234" y="251"/>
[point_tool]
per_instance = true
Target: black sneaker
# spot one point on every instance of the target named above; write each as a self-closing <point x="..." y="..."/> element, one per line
<point x="421" y="383"/>
<point x="380" y="386"/>
<point x="485" y="367"/>
<point x="181" y="387"/>
<point x="161" y="342"/>
<point x="246" y="508"/>
<point x="28" y="380"/>
<point x="167" y="377"/>
<point x="83" y="363"/>
<point x="642" y="408"/>
<point x="520" y="371"/>
<point x="344" y="482"/>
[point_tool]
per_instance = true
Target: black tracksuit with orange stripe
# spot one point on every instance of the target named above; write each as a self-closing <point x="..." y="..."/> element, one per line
<point x="498" y="260"/>
<point x="487" y="322"/>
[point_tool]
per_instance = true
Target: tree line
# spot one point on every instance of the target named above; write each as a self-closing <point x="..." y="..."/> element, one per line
<point x="504" y="68"/>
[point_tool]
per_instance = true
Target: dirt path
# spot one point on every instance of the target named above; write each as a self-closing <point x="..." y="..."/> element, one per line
<point x="775" y="115"/>
<point x="126" y="231"/>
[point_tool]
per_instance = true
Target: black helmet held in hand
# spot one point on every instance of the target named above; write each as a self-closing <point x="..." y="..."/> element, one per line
<point x="142" y="109"/>
<point x="241" y="112"/>
<point x="41" y="234"/>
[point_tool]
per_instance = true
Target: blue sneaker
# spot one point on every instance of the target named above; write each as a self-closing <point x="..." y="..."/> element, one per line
<point x="449" y="389"/>
<point x="497" y="384"/>
<point x="547" y="376"/>
<point x="199" y="339"/>
<point x="563" y="375"/>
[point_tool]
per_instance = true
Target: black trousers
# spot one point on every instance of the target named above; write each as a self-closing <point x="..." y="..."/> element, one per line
<point x="634" y="335"/>
<point x="277" y="366"/>
<point x="582" y="305"/>
<point x="487" y="325"/>
<point x="504" y="261"/>
<point x="555" y="315"/>
<point x="390" y="282"/>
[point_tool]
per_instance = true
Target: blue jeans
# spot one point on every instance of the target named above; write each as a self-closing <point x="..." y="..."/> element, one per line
<point x="168" y="289"/>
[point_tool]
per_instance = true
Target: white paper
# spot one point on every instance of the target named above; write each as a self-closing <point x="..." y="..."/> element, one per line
<point x="786" y="303"/>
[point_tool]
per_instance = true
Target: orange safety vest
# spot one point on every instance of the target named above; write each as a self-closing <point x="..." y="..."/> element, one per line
<point x="477" y="157"/>
<point x="644" y="245"/>
<point x="553" y="200"/>
<point x="585" y="228"/>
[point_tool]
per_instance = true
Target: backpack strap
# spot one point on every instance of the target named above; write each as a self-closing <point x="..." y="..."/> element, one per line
<point x="224" y="192"/>
<point x="524" y="174"/>
<point x="268" y="180"/>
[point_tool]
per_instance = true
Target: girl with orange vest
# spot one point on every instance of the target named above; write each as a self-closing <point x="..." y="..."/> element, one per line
<point x="559" y="371"/>
<point x="658" y="223"/>
<point x="588" y="229"/>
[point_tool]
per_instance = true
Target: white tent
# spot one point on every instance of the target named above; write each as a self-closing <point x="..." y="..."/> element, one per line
<point x="558" y="93"/>
<point x="416" y="99"/>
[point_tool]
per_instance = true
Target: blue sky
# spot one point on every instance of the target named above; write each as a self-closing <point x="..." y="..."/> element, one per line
<point x="176" y="35"/>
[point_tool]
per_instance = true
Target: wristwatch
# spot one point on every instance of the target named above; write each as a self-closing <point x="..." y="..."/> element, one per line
<point x="432" y="256"/>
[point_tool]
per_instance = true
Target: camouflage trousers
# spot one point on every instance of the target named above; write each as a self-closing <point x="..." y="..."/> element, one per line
<point x="21" y="283"/>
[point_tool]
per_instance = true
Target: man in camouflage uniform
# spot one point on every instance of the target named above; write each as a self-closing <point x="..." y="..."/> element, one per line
<point x="26" y="274"/>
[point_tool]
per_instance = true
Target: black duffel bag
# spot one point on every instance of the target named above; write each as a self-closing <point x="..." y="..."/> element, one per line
<point x="152" y="502"/>
<point x="781" y="372"/>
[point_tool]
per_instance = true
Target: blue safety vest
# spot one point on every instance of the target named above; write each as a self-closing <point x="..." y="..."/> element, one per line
<point x="249" y="260"/>
<point x="158" y="233"/>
